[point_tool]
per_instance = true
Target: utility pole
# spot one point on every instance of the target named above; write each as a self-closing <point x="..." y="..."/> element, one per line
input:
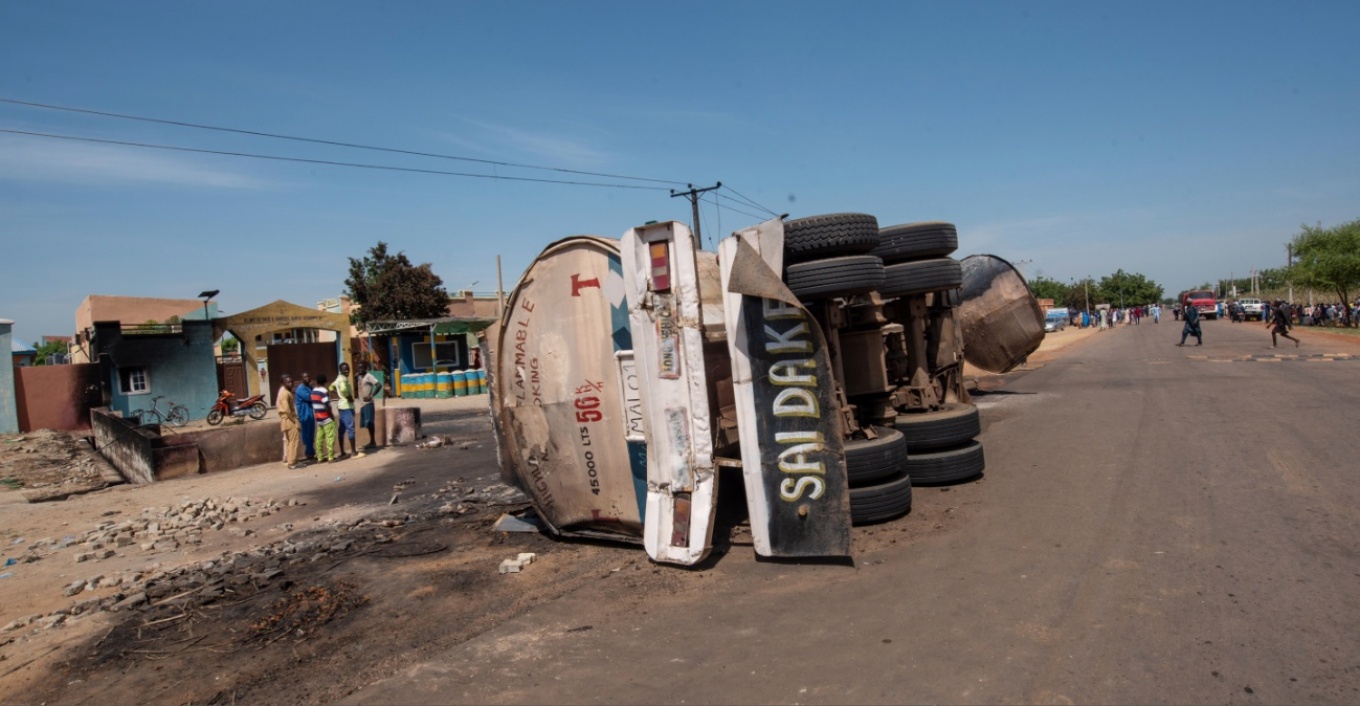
<point x="693" y="196"/>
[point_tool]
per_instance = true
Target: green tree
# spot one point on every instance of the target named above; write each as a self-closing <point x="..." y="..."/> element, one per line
<point x="230" y="345"/>
<point x="1328" y="258"/>
<point x="388" y="287"/>
<point x="47" y="350"/>
<point x="1044" y="288"/>
<point x="1128" y="289"/>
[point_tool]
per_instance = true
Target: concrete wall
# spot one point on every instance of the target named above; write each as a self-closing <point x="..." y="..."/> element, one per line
<point x="144" y="455"/>
<point x="9" y="413"/>
<point x="180" y="366"/>
<point x="126" y="446"/>
<point x="137" y="310"/>
<point x="56" y="396"/>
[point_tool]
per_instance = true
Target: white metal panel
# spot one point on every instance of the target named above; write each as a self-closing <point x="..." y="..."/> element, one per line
<point x="668" y="357"/>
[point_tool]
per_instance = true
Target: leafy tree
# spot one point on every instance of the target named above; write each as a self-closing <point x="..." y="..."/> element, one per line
<point x="1044" y="288"/>
<point x="1128" y="289"/>
<point x="1328" y="258"/>
<point x="1081" y="292"/>
<point x="388" y="287"/>
<point x="47" y="350"/>
<point x="230" y="345"/>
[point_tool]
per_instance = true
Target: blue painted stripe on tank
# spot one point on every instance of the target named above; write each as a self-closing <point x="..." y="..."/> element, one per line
<point x="623" y="341"/>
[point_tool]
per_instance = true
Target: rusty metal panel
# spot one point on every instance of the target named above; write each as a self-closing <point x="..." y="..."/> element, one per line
<point x="1002" y="321"/>
<point x="560" y="409"/>
<point x="661" y="277"/>
<point x="792" y="453"/>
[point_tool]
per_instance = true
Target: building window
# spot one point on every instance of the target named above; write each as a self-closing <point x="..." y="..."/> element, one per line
<point x="134" y="381"/>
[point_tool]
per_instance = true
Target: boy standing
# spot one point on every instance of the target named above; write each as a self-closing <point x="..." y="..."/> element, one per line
<point x="325" y="423"/>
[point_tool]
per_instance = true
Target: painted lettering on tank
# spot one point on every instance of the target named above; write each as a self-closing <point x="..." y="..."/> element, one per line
<point x="802" y="454"/>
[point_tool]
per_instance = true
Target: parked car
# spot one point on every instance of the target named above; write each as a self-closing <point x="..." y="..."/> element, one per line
<point x="1055" y="321"/>
<point x="1252" y="309"/>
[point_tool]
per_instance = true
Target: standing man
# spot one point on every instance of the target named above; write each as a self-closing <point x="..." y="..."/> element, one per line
<point x="325" y="423"/>
<point x="1279" y="321"/>
<point x="343" y="391"/>
<point x="302" y="395"/>
<point x="288" y="424"/>
<point x="368" y="387"/>
<point x="1191" y="326"/>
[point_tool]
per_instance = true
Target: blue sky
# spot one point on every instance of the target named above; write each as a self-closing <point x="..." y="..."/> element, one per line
<point x="1184" y="140"/>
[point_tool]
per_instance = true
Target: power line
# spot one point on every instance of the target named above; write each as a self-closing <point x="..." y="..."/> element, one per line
<point x="732" y="208"/>
<point x="277" y="136"/>
<point x="749" y="201"/>
<point x="356" y="165"/>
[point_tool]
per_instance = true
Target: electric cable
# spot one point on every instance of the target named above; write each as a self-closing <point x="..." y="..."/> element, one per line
<point x="749" y="201"/>
<point x="277" y="136"/>
<point x="327" y="162"/>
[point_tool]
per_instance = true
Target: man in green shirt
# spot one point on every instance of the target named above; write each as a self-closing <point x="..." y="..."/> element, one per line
<point x="342" y="391"/>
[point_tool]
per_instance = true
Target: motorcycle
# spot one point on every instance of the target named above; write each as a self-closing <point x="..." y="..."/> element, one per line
<point x="227" y="405"/>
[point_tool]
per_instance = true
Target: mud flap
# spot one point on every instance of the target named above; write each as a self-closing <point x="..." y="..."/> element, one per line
<point x="661" y="282"/>
<point x="792" y="453"/>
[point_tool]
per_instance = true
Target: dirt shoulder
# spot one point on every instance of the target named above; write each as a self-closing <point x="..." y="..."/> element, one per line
<point x="263" y="585"/>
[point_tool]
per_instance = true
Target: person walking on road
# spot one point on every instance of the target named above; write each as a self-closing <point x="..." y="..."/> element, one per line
<point x="289" y="425"/>
<point x="1191" y="327"/>
<point x="1279" y="323"/>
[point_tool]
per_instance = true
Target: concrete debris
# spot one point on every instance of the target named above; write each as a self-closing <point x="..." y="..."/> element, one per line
<point x="514" y="566"/>
<point x="510" y="523"/>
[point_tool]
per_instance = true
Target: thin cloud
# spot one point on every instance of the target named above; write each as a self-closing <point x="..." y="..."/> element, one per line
<point x="500" y="141"/>
<point x="52" y="160"/>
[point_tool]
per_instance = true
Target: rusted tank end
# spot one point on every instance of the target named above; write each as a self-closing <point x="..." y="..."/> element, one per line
<point x="1002" y="321"/>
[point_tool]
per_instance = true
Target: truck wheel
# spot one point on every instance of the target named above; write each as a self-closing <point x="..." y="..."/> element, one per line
<point x="914" y="241"/>
<point x="829" y="235"/>
<point x="878" y="503"/>
<point x="868" y="460"/>
<point x="835" y="277"/>
<point x="921" y="277"/>
<point x="954" y="424"/>
<point x="948" y="466"/>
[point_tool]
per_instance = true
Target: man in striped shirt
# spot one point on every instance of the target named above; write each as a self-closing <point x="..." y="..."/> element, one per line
<point x="325" y="422"/>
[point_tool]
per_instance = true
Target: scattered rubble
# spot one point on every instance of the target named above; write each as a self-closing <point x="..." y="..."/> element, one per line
<point x="52" y="465"/>
<point x="514" y="566"/>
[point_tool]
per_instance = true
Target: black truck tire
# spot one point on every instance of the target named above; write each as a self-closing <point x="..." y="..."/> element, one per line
<point x="947" y="466"/>
<point x="953" y="425"/>
<point x="834" y="277"/>
<point x="913" y="241"/>
<point x="882" y="502"/>
<point x="829" y="235"/>
<point x="868" y="460"/>
<point x="921" y="277"/>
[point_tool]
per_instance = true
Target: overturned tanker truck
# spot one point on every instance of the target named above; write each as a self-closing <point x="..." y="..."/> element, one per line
<point x="821" y="358"/>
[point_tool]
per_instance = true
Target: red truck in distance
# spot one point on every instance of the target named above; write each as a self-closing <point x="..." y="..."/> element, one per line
<point x="1202" y="299"/>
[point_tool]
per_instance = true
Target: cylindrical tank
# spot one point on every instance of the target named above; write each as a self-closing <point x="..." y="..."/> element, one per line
<point x="480" y="379"/>
<point x="1002" y="321"/>
<point x="460" y="386"/>
<point x="445" y="384"/>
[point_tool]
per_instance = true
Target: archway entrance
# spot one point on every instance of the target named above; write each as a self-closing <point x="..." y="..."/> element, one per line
<point x="256" y="326"/>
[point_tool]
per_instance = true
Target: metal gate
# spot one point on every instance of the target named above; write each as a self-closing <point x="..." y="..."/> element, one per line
<point x="231" y="375"/>
<point x="298" y="358"/>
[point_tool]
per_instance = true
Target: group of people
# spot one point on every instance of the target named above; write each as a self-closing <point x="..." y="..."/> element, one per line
<point x="1105" y="318"/>
<point x="316" y="417"/>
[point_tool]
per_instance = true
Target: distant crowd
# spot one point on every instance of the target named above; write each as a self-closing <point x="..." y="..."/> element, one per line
<point x="1105" y="318"/>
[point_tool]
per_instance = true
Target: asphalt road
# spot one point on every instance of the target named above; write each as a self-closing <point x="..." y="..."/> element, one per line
<point x="1157" y="524"/>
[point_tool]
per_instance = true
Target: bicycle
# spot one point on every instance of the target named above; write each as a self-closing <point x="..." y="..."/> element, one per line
<point x="176" y="416"/>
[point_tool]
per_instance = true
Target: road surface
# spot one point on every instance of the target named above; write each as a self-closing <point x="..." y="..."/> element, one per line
<point x="1156" y="524"/>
